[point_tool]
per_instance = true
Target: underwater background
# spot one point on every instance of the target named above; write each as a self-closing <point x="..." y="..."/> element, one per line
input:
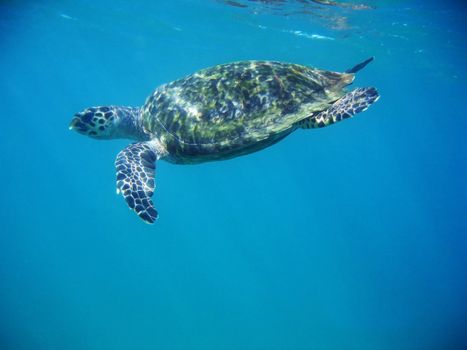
<point x="347" y="237"/>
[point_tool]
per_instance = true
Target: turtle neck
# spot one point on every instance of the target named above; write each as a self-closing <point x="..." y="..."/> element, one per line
<point x="130" y="124"/>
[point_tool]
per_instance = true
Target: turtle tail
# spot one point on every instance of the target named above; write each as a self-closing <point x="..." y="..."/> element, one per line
<point x="347" y="106"/>
<point x="359" y="66"/>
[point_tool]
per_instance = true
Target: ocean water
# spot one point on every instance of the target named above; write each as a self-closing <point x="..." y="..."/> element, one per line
<point x="348" y="237"/>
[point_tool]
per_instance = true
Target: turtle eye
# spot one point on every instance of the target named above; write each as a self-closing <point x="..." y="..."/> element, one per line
<point x="87" y="117"/>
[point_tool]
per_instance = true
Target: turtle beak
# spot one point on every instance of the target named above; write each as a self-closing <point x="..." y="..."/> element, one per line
<point x="77" y="124"/>
<point x="72" y="124"/>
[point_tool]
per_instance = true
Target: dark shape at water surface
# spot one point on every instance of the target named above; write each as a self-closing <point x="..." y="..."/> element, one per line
<point x="304" y="3"/>
<point x="342" y="4"/>
<point x="331" y="14"/>
<point x="235" y="3"/>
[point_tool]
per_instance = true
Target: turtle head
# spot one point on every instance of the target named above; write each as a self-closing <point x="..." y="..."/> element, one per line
<point x="107" y="122"/>
<point x="96" y="122"/>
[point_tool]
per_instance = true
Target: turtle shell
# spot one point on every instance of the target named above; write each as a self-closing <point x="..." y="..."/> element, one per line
<point x="237" y="108"/>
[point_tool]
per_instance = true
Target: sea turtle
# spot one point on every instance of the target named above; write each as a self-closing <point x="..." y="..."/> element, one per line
<point x="219" y="113"/>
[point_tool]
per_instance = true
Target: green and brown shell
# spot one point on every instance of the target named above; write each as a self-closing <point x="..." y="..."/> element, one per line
<point x="237" y="108"/>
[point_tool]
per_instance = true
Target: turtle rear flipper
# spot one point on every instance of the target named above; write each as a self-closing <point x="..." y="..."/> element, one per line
<point x="347" y="106"/>
<point x="136" y="168"/>
<point x="359" y="66"/>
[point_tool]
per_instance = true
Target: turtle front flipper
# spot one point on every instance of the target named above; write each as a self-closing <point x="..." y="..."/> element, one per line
<point x="347" y="106"/>
<point x="136" y="168"/>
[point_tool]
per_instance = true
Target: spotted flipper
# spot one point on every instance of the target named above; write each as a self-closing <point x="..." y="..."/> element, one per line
<point x="136" y="168"/>
<point x="347" y="106"/>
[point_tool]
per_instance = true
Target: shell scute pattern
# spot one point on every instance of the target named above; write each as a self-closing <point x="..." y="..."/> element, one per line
<point x="232" y="105"/>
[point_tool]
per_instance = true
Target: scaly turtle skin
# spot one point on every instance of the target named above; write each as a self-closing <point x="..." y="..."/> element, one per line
<point x="219" y="113"/>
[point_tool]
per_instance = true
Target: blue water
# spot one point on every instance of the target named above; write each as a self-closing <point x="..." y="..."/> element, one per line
<point x="347" y="237"/>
